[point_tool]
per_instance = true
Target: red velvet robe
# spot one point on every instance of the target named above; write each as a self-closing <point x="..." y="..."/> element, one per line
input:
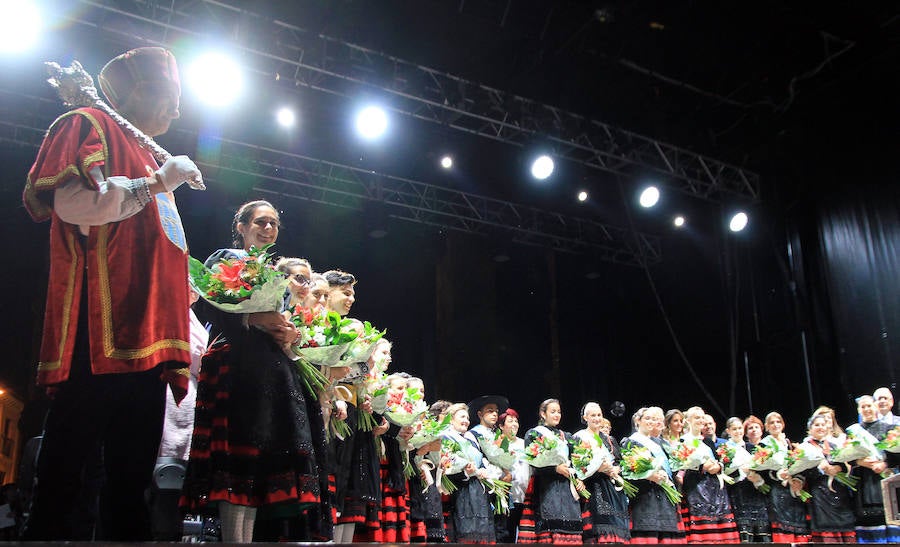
<point x="137" y="293"/>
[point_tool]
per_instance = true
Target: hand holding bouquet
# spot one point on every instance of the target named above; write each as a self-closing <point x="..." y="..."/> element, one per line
<point x="452" y="461"/>
<point x="733" y="458"/>
<point x="689" y="455"/>
<point x="800" y="458"/>
<point x="545" y="451"/>
<point x="638" y="463"/>
<point x="891" y="442"/>
<point x="582" y="455"/>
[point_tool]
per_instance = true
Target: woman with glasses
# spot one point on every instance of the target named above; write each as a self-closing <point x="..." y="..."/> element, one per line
<point x="299" y="272"/>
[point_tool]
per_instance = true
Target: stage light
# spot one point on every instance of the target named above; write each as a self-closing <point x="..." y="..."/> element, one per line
<point x="649" y="197"/>
<point x="22" y="28"/>
<point x="286" y="117"/>
<point x="446" y="162"/>
<point x="582" y="196"/>
<point x="542" y="167"/>
<point x="678" y="221"/>
<point x="738" y="222"/>
<point x="371" y="122"/>
<point x="216" y="79"/>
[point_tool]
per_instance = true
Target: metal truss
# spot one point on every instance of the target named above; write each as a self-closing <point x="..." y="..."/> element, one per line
<point x="300" y="58"/>
<point x="24" y="120"/>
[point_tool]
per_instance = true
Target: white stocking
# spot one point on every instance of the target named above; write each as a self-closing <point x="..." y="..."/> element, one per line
<point x="249" y="518"/>
<point x="232" y="523"/>
<point x="343" y="533"/>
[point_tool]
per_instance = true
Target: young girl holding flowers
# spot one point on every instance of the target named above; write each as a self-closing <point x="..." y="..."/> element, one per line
<point x="358" y="483"/>
<point x="748" y="503"/>
<point x="606" y="511"/>
<point x="552" y="514"/>
<point x="786" y="512"/>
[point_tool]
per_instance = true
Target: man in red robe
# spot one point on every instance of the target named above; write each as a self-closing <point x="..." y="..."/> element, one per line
<point x="116" y="319"/>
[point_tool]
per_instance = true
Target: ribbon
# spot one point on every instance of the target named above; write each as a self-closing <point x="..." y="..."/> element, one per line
<point x="425" y="468"/>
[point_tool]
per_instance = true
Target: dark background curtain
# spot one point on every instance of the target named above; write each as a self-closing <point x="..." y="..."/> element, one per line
<point x="852" y="277"/>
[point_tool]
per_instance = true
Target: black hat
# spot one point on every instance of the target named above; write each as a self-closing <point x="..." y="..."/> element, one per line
<point x="480" y="402"/>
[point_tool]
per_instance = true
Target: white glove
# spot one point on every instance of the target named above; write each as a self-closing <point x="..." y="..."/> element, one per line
<point x="176" y="171"/>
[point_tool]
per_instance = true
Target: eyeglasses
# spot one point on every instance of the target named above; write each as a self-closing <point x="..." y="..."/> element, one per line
<point x="300" y="279"/>
<point x="265" y="221"/>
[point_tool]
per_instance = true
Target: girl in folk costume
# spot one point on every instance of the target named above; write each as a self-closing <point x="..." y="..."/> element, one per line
<point x="708" y="517"/>
<point x="426" y="514"/>
<point x="831" y="506"/>
<point x="316" y="523"/>
<point x="786" y="512"/>
<point x="357" y="477"/>
<point x="654" y="519"/>
<point x="552" y="514"/>
<point x="393" y="516"/>
<point x="748" y="503"/>
<point x="252" y="450"/>
<point x="605" y="513"/>
<point x="470" y="518"/>
<point x="868" y="502"/>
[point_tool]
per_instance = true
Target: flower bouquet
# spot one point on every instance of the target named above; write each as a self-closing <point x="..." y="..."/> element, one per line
<point x="324" y="339"/>
<point x="550" y="451"/>
<point x="313" y="379"/>
<point x="891" y="442"/>
<point x="582" y="456"/>
<point x="767" y="456"/>
<point x="689" y="455"/>
<point x="600" y="455"/>
<point x="240" y="285"/>
<point x="362" y="347"/>
<point x="452" y="461"/>
<point x="498" y="450"/>
<point x="404" y="407"/>
<point x="733" y="458"/>
<point x="800" y="458"/>
<point x="546" y="451"/>
<point x="429" y="429"/>
<point x="638" y="463"/>
<point x="856" y="446"/>
<point x="373" y="385"/>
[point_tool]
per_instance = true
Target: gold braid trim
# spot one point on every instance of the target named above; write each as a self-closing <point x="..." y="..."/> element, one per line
<point x="67" y="305"/>
<point x="40" y="210"/>
<point x="109" y="348"/>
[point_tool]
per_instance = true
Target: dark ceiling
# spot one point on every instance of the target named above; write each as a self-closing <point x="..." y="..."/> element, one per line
<point x="718" y="78"/>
